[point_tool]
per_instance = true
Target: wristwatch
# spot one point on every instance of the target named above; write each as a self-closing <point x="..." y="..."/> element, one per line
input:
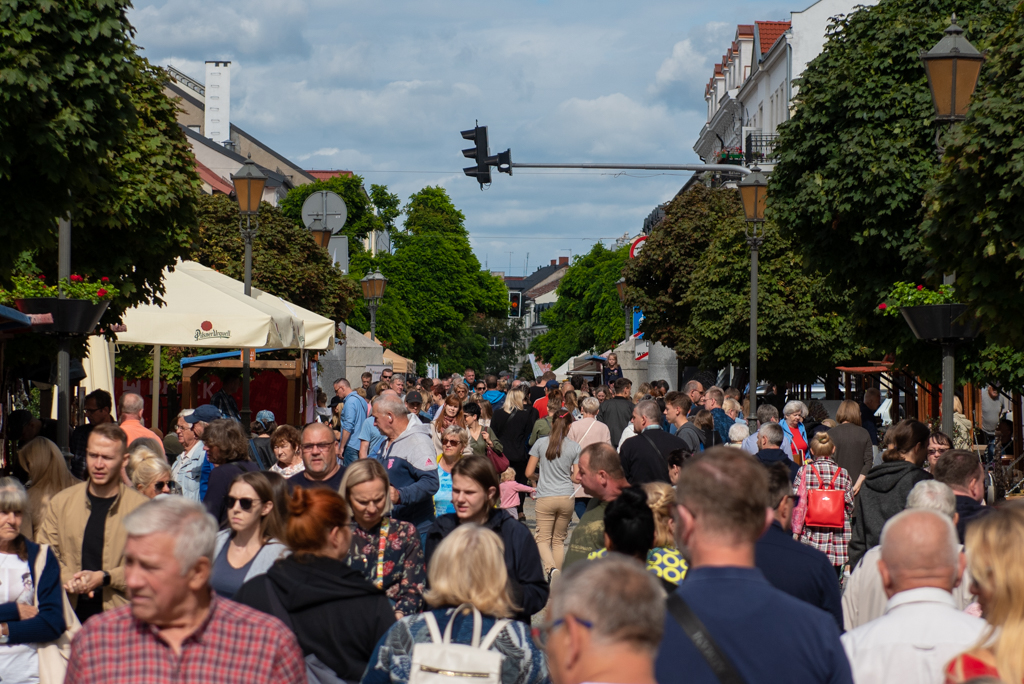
<point x="106" y="578"/>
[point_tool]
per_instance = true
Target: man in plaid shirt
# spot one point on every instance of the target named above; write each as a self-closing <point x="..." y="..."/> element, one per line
<point x="175" y="629"/>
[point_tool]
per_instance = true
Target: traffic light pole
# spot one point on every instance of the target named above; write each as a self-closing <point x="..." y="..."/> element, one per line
<point x="723" y="168"/>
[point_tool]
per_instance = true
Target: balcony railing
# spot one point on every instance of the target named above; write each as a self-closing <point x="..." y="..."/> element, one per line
<point x="760" y="149"/>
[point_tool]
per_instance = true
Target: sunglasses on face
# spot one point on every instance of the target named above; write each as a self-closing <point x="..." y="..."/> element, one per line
<point x="245" y="502"/>
<point x="451" y="442"/>
<point x="163" y="486"/>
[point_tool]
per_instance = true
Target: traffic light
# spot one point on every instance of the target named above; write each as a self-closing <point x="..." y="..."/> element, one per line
<point x="482" y="172"/>
<point x="515" y="304"/>
<point x="503" y="160"/>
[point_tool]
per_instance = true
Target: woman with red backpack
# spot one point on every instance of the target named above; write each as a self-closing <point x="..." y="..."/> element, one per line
<point x="822" y="517"/>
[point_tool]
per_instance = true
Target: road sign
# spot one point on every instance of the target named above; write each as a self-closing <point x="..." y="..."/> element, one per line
<point x="636" y="246"/>
<point x="326" y="206"/>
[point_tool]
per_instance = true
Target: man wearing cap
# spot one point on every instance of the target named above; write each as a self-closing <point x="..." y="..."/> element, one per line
<point x="414" y="402"/>
<point x="353" y="413"/>
<point x="198" y="421"/>
<point x="542" y="404"/>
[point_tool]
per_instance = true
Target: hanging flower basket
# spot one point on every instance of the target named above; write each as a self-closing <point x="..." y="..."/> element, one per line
<point x="940" y="322"/>
<point x="78" y="314"/>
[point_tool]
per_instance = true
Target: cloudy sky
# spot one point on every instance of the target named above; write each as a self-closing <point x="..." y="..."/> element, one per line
<point x="383" y="88"/>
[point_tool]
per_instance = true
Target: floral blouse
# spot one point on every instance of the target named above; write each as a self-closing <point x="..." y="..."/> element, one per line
<point x="405" y="574"/>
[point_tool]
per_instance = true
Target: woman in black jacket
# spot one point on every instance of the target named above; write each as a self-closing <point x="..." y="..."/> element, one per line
<point x="337" y="616"/>
<point x="512" y="424"/>
<point x="475" y="497"/>
<point x="228" y="450"/>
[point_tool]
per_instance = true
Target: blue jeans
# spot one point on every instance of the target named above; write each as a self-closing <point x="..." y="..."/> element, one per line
<point x="350" y="456"/>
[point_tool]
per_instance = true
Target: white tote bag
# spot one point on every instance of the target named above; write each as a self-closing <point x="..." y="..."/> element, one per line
<point x="54" y="655"/>
<point x="442" y="662"/>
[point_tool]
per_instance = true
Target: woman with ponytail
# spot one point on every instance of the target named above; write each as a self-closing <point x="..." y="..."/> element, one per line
<point x="337" y="616"/>
<point x="887" y="485"/>
<point x="820" y="473"/>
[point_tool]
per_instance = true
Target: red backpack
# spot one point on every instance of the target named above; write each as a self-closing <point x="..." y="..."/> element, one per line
<point x="826" y="507"/>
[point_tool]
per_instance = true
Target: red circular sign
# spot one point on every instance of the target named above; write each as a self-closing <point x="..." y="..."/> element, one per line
<point x="634" y="249"/>
<point x="207" y="326"/>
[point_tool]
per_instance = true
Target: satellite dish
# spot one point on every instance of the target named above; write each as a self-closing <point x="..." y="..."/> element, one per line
<point x="326" y="206"/>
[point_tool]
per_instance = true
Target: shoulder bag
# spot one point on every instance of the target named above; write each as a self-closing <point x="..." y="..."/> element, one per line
<point x="499" y="461"/>
<point x="54" y="656"/>
<point x="826" y="507"/>
<point x="440" y="661"/>
<point x="725" y="671"/>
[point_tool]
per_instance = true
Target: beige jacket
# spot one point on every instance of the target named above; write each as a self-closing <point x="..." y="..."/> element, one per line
<point x="63" y="529"/>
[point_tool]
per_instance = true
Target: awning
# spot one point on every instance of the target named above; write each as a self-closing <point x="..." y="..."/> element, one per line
<point x="12" y="319"/>
<point x="203" y="308"/>
<point x="399" y="364"/>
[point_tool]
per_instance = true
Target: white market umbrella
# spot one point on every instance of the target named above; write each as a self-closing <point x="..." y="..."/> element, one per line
<point x="319" y="332"/>
<point x="203" y="308"/>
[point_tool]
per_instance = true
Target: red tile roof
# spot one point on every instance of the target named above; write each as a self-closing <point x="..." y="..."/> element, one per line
<point x="745" y="29"/>
<point x="327" y="175"/>
<point x="770" y="32"/>
<point x="216" y="182"/>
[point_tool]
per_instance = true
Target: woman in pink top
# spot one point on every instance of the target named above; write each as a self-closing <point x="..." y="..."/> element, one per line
<point x="586" y="431"/>
<point x="510" y="490"/>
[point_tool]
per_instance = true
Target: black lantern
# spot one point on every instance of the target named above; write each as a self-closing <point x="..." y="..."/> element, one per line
<point x="620" y="285"/>
<point x="953" y="67"/>
<point x="753" y="192"/>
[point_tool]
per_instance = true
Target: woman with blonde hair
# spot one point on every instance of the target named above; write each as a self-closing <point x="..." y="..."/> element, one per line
<point x="664" y="560"/>
<point x="468" y="595"/>
<point x="152" y="476"/>
<point x="821" y="472"/>
<point x="48" y="475"/>
<point x="385" y="551"/>
<point x="512" y="425"/>
<point x="995" y="555"/>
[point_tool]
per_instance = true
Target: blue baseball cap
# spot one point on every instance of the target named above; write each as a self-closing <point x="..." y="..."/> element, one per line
<point x="551" y="384"/>
<point x="204" y="414"/>
<point x="265" y="417"/>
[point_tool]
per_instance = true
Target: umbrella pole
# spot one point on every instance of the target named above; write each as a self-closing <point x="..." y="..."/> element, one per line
<point x="156" y="386"/>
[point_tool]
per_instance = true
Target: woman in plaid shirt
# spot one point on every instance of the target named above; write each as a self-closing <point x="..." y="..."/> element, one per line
<point x="832" y="541"/>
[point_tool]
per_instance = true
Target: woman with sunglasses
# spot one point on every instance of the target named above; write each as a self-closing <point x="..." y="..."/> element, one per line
<point x="251" y="543"/>
<point x="152" y="477"/>
<point x="448" y="415"/>
<point x="453" y="445"/>
<point x="469" y="591"/>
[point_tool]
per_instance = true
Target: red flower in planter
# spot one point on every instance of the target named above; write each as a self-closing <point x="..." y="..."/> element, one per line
<point x="104" y="279"/>
<point x="920" y="287"/>
<point x="42" y="277"/>
<point x="76" y="279"/>
<point x="101" y="292"/>
<point x="883" y="306"/>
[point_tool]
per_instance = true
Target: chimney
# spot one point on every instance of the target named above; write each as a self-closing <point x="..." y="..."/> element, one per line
<point x="552" y="262"/>
<point x="217" y="114"/>
<point x="563" y="261"/>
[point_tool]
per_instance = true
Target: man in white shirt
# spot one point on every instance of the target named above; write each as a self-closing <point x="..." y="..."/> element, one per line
<point x="864" y="597"/>
<point x="922" y="628"/>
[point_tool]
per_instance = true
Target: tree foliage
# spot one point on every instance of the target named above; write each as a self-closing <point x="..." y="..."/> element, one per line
<point x="588" y="314"/>
<point x="859" y="151"/>
<point x="286" y="261"/>
<point x="360" y="219"/>
<point x="975" y="222"/>
<point x="692" y="281"/>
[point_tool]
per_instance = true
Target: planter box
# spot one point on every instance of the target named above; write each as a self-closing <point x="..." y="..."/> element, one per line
<point x="939" y="322"/>
<point x="70" y="316"/>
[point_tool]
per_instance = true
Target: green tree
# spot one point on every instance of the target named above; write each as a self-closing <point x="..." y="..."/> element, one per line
<point x="692" y="280"/>
<point x="286" y="261"/>
<point x="434" y="273"/>
<point x="859" y="151"/>
<point x="588" y="314"/>
<point x="975" y="226"/>
<point x="506" y="343"/>
<point x="360" y="219"/>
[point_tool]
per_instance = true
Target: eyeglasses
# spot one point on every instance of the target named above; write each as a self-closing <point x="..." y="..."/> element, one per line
<point x="163" y="485"/>
<point x="182" y="428"/>
<point x="480" y="388"/>
<point x="541" y="634"/>
<point x="322" y="446"/>
<point x="451" y="442"/>
<point x="89" y="411"/>
<point x="938" y="450"/>
<point x="245" y="503"/>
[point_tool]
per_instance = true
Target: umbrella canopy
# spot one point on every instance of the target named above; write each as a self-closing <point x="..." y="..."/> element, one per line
<point x="319" y="332"/>
<point x="203" y="308"/>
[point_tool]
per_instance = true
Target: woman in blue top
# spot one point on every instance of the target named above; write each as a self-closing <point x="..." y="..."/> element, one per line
<point x="468" y="586"/>
<point x="454" y="440"/>
<point x="23" y="625"/>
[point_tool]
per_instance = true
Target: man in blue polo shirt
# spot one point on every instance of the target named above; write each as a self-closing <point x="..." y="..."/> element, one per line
<point x="353" y="413"/>
<point x="760" y="632"/>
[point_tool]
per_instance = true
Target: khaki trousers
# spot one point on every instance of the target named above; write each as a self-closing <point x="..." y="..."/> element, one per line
<point x="554" y="513"/>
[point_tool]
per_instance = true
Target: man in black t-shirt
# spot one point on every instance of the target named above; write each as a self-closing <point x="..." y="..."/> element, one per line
<point x="320" y="457"/>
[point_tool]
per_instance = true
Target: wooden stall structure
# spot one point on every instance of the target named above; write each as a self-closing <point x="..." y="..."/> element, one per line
<point x="292" y="370"/>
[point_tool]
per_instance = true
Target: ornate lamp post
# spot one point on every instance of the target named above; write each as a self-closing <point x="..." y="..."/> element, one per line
<point x="753" y="192"/>
<point x="953" y="67"/>
<point x="620" y="286"/>
<point x="249" y="183"/>
<point x="374" y="285"/>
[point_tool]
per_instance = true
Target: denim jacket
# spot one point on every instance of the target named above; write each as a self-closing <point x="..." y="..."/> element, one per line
<point x="188" y="469"/>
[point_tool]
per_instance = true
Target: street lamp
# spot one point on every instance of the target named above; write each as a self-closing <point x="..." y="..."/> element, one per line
<point x="321" y="233"/>
<point x="620" y="286"/>
<point x="374" y="285"/>
<point x="753" y="192"/>
<point x="249" y="183"/>
<point x="953" y="67"/>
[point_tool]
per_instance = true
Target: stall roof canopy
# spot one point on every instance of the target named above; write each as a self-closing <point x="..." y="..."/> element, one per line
<point x="204" y="308"/>
<point x="399" y="364"/>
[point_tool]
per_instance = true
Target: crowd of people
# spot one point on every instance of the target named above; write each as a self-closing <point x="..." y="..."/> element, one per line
<point x="377" y="541"/>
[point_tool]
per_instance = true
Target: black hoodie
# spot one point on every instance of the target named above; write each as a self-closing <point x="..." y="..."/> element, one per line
<point x="883" y="495"/>
<point x="336" y="613"/>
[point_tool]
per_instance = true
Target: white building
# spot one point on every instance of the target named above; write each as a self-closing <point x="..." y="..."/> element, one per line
<point x="751" y="90"/>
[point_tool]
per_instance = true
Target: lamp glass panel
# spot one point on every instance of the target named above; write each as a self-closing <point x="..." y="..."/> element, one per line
<point x="967" y="71"/>
<point x="940" y="79"/>
<point x="379" y="284"/>
<point x="748" y="196"/>
<point x="621" y="287"/>
<point x="256" y="186"/>
<point x="366" y="288"/>
<point x="759" y="205"/>
<point x="323" y="237"/>
<point x="242" y="193"/>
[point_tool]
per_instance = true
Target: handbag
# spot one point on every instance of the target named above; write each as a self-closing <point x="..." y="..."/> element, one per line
<point x="499" y="461"/>
<point x="54" y="655"/>
<point x="441" y="661"/>
<point x="826" y="507"/>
